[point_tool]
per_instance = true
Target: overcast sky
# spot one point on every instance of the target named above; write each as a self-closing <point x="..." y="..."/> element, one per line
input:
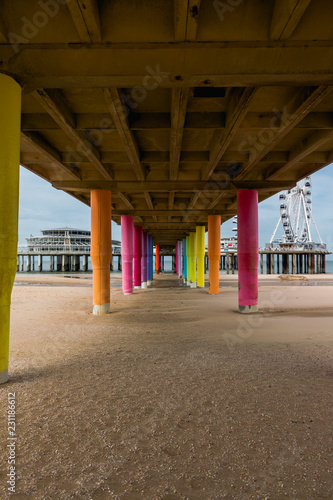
<point x="43" y="207"/>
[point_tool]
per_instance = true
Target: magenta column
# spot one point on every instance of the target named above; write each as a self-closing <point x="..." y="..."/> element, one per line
<point x="137" y="256"/>
<point x="127" y="252"/>
<point x="144" y="260"/>
<point x="247" y="250"/>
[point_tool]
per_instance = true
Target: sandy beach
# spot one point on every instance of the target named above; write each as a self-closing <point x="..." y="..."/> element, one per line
<point x="174" y="395"/>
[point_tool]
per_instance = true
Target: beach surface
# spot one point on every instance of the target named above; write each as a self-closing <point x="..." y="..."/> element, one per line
<point x="174" y="395"/>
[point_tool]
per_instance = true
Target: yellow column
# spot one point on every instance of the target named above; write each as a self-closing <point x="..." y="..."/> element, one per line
<point x="10" y="106"/>
<point x="188" y="262"/>
<point x="193" y="245"/>
<point x="101" y="248"/>
<point x="200" y="233"/>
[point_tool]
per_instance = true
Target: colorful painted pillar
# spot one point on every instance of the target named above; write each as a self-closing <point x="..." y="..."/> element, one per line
<point x="179" y="256"/>
<point x="214" y="251"/>
<point x="137" y="256"/>
<point x="101" y="249"/>
<point x="144" y="259"/>
<point x="10" y="118"/>
<point x="176" y="258"/>
<point x="149" y="278"/>
<point x="188" y="260"/>
<point x="248" y="251"/>
<point x="157" y="258"/>
<point x="127" y="252"/>
<point x="184" y="261"/>
<point x="193" y="245"/>
<point x="200" y="234"/>
<point x="152" y="260"/>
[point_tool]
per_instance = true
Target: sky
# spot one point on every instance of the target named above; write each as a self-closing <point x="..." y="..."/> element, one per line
<point x="44" y="207"/>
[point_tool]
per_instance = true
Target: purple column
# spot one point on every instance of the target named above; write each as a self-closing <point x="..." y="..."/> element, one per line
<point x="127" y="252"/>
<point x="144" y="260"/>
<point x="137" y="256"/>
<point x="149" y="261"/>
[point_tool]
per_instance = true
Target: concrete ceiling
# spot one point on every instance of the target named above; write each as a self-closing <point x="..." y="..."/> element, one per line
<point x="173" y="105"/>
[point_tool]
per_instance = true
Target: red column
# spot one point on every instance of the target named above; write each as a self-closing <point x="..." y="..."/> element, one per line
<point x="127" y="252"/>
<point x="137" y="256"/>
<point x="157" y="258"/>
<point x="214" y="251"/>
<point x="100" y="250"/>
<point x="247" y="249"/>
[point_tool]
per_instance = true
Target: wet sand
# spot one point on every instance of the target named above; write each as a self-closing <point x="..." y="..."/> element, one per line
<point x="173" y="395"/>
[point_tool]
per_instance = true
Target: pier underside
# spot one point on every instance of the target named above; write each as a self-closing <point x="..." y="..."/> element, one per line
<point x="163" y="115"/>
<point x="173" y="106"/>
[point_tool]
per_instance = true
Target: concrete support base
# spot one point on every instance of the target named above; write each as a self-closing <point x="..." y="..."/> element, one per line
<point x="137" y="287"/>
<point x="144" y="284"/>
<point x="101" y="309"/>
<point x="4" y="377"/>
<point x="248" y="309"/>
<point x="188" y="283"/>
<point x="193" y="285"/>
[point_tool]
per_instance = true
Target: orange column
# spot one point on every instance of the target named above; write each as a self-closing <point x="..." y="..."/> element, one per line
<point x="101" y="248"/>
<point x="214" y="251"/>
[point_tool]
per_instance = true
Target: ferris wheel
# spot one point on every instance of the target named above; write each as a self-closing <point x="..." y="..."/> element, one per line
<point x="296" y="215"/>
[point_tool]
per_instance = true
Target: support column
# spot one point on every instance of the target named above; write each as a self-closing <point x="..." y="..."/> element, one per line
<point x="65" y="263"/>
<point x="214" y="251"/>
<point x="85" y="263"/>
<point x="51" y="263"/>
<point x="179" y="259"/>
<point x="10" y="105"/>
<point x="127" y="252"/>
<point x="40" y="263"/>
<point x="101" y="249"/>
<point x="184" y="261"/>
<point x="193" y="245"/>
<point x="228" y="263"/>
<point x="22" y="263"/>
<point x="278" y="263"/>
<point x="28" y="263"/>
<point x="144" y="260"/>
<point x="149" y="276"/>
<point x="157" y="258"/>
<point x="293" y="263"/>
<point x="232" y="256"/>
<point x="151" y="260"/>
<point x="285" y="263"/>
<point x="18" y="263"/>
<point x="58" y="262"/>
<point x="137" y="256"/>
<point x="248" y="252"/>
<point x="200" y="237"/>
<point x="272" y="263"/>
<point x="268" y="264"/>
<point x="188" y="251"/>
<point x="324" y="263"/>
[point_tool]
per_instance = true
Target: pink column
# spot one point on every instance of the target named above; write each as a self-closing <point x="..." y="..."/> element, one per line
<point x="176" y="256"/>
<point x="247" y="250"/>
<point x="127" y="252"/>
<point x="137" y="256"/>
<point x="144" y="259"/>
